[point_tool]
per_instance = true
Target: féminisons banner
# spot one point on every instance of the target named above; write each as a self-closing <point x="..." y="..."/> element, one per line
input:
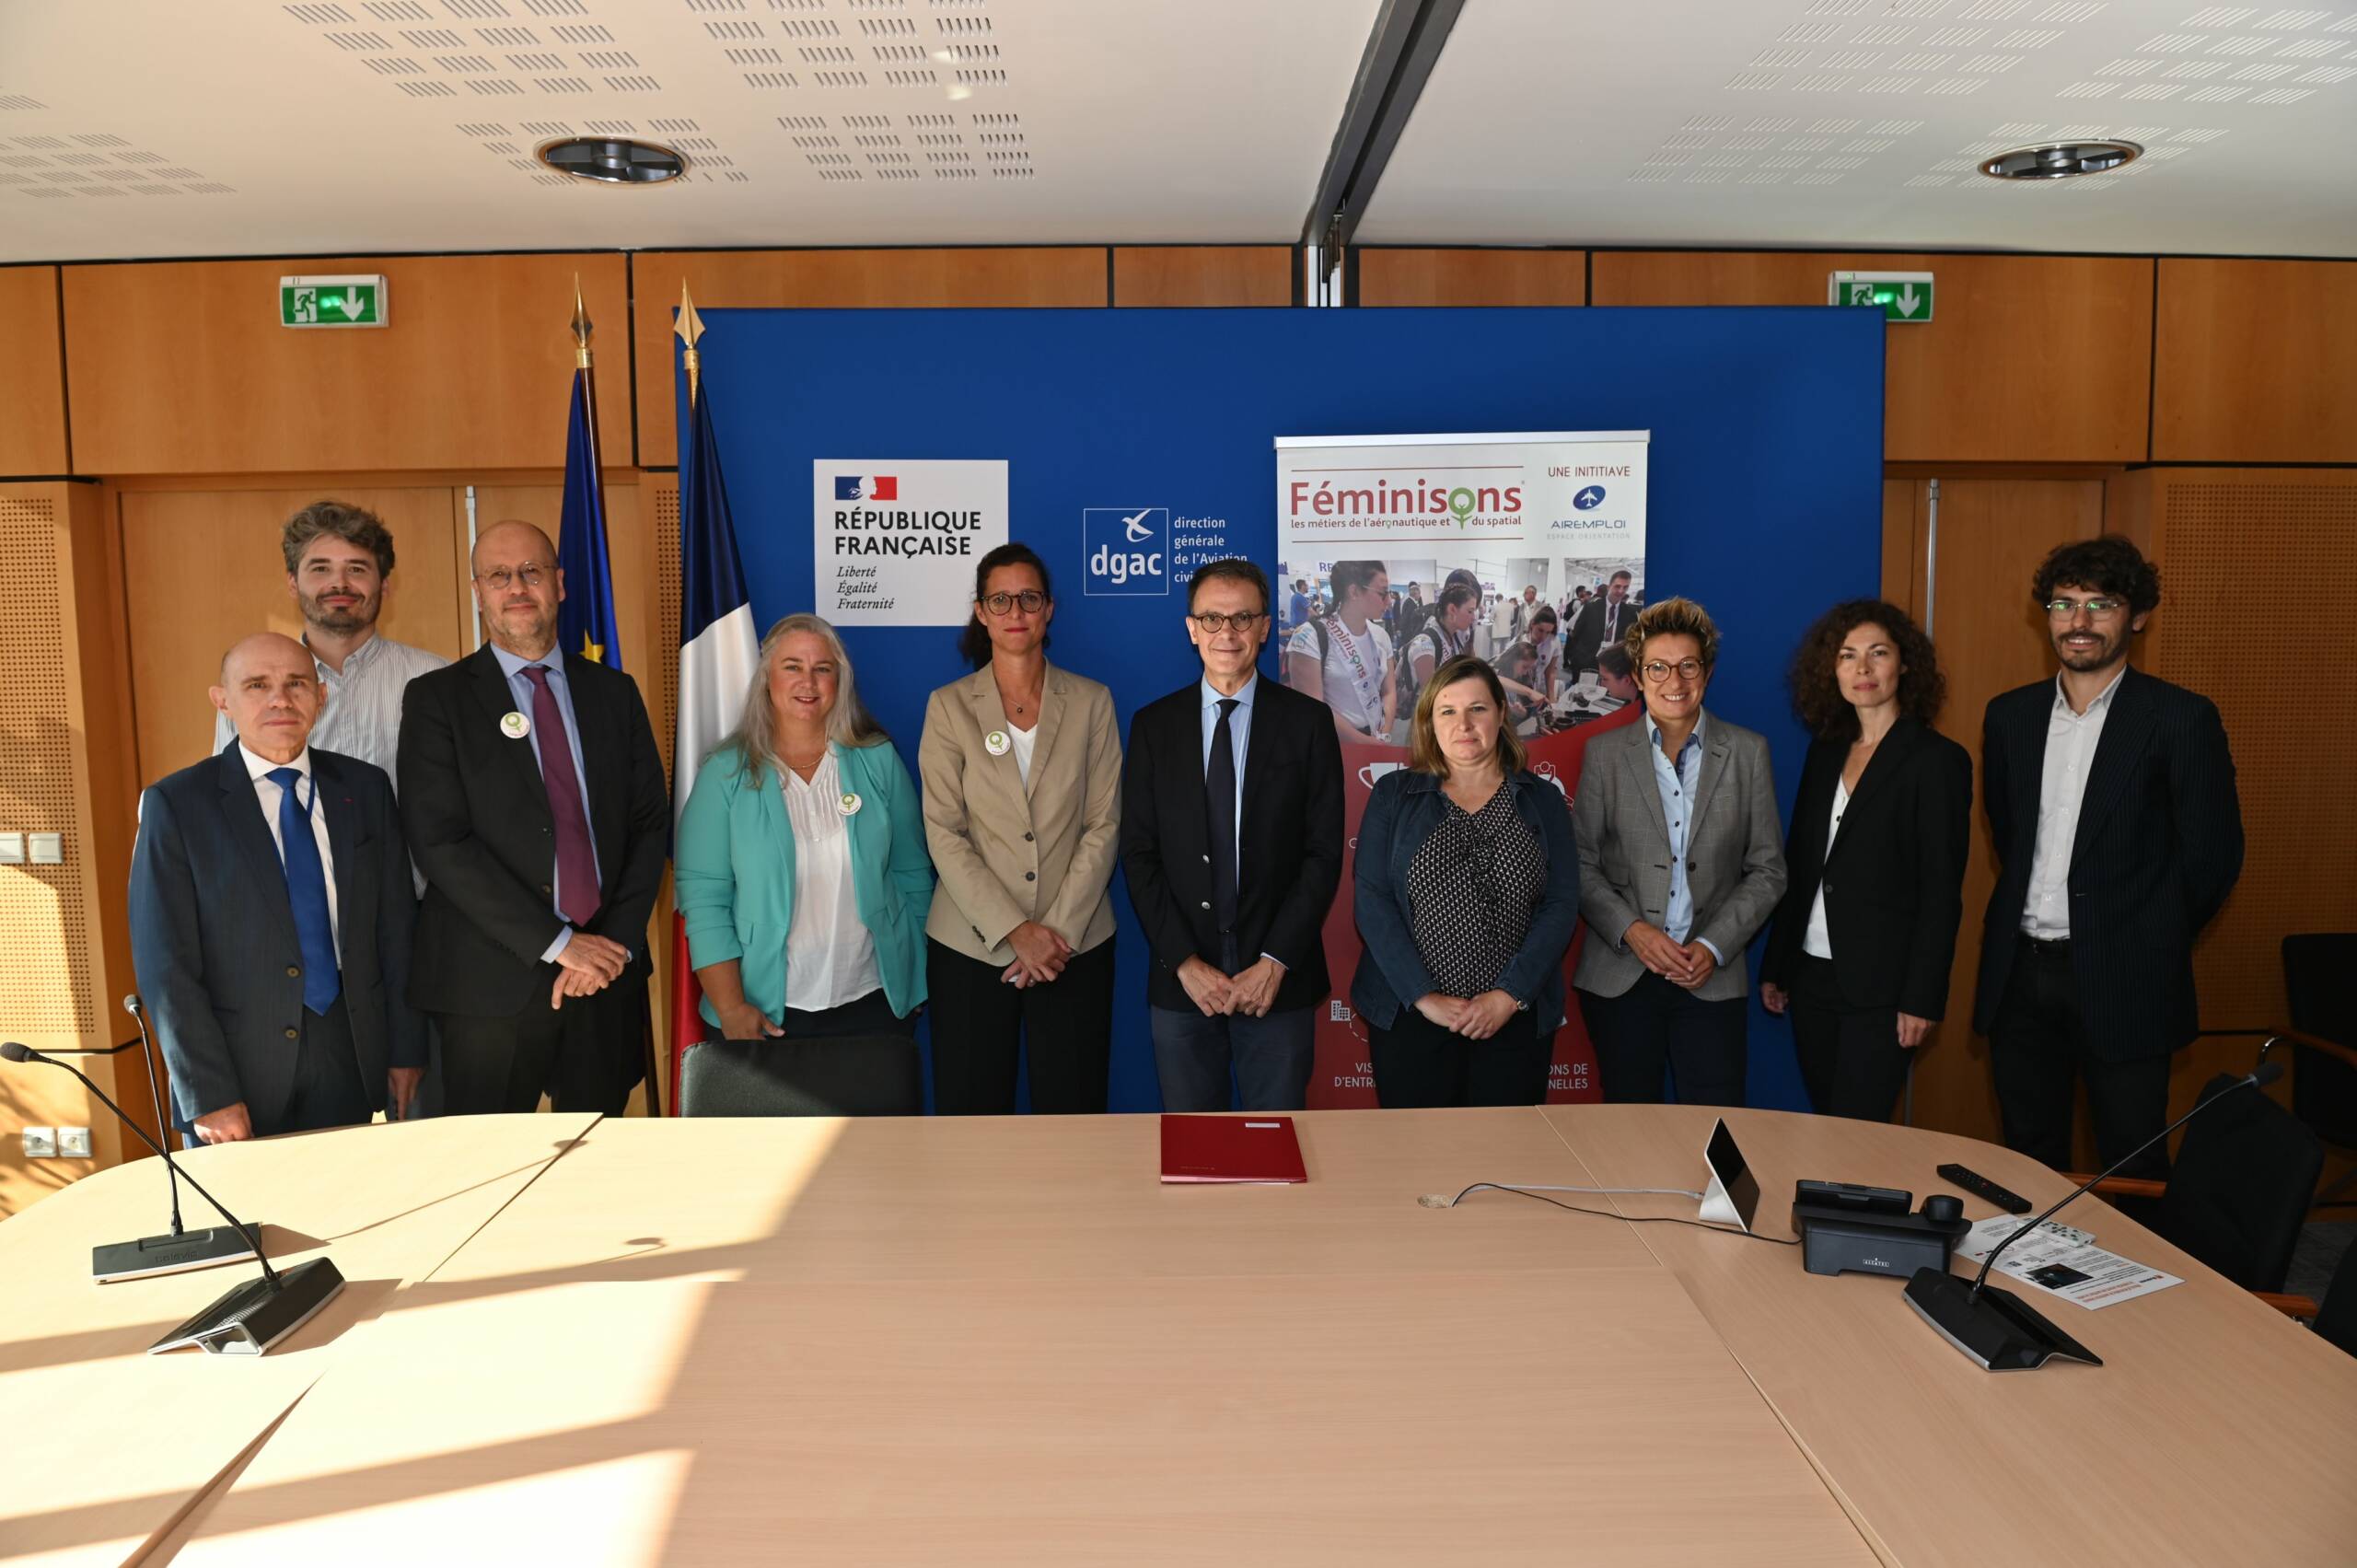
<point x="1398" y="552"/>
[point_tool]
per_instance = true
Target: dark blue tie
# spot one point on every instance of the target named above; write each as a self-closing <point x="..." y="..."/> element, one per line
<point x="1219" y="801"/>
<point x="307" y="894"/>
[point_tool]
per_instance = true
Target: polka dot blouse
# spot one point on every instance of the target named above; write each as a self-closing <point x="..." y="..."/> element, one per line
<point x="1472" y="888"/>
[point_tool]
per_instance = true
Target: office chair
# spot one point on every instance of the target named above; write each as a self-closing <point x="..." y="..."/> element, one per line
<point x="856" y="1076"/>
<point x="2321" y="983"/>
<point x="2337" y="1319"/>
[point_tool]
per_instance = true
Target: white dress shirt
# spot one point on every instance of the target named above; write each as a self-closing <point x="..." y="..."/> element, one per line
<point x="266" y="791"/>
<point x="2071" y="742"/>
<point x="1817" y="941"/>
<point x="830" y="956"/>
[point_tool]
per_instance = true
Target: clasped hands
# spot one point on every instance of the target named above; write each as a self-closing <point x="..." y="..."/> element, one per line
<point x="1248" y="993"/>
<point x="1040" y="956"/>
<point x="1686" y="964"/>
<point x="1475" y="1017"/>
<point x="586" y="964"/>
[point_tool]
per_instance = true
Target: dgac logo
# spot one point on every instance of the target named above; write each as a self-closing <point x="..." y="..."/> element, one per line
<point x="866" y="487"/>
<point x="1125" y="552"/>
<point x="1589" y="498"/>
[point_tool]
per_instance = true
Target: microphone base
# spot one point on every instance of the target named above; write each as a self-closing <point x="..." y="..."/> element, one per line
<point x="250" y="1318"/>
<point x="1996" y="1328"/>
<point x="168" y="1254"/>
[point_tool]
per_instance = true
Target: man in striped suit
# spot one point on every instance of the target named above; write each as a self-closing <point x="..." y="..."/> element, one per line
<point x="2112" y="806"/>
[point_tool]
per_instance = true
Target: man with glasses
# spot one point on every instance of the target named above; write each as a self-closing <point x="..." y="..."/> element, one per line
<point x="534" y="801"/>
<point x="1232" y="838"/>
<point x="2112" y="808"/>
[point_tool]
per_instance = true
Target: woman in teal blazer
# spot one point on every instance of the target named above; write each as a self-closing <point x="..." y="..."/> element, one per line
<point x="801" y="870"/>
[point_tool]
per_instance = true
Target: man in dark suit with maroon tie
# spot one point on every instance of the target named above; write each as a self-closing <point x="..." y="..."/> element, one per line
<point x="534" y="799"/>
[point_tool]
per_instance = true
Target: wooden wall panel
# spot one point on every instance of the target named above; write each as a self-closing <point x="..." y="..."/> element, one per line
<point x="2255" y="362"/>
<point x="1070" y="275"/>
<point x="65" y="950"/>
<point x="32" y="373"/>
<point x="1472" y="277"/>
<point x="2030" y="359"/>
<point x="1992" y="533"/>
<point x="1202" y="274"/>
<point x="1902" y="533"/>
<point x="2217" y="533"/>
<point x="202" y="569"/>
<point x="182" y="367"/>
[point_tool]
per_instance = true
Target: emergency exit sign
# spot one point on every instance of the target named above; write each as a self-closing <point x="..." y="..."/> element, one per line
<point x="354" y="301"/>
<point x="1903" y="297"/>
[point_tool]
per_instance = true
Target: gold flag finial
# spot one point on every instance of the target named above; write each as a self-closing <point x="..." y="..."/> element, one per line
<point x="690" y="327"/>
<point x="581" y="326"/>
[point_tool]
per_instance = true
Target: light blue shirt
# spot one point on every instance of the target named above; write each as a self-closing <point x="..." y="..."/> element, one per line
<point x="1239" y="728"/>
<point x="521" y="686"/>
<point x="1676" y="781"/>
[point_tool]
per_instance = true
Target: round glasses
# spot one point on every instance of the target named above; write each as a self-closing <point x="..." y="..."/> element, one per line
<point x="1657" y="670"/>
<point x="1212" y="621"/>
<point x="1029" y="599"/>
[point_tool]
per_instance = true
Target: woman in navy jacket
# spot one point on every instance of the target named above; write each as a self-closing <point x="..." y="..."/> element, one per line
<point x="1468" y="889"/>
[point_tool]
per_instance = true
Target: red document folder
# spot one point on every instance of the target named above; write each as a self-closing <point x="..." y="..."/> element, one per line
<point x="1231" y="1148"/>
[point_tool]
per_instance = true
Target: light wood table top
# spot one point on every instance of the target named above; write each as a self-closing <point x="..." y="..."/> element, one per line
<point x="130" y="1440"/>
<point x="2217" y="1431"/>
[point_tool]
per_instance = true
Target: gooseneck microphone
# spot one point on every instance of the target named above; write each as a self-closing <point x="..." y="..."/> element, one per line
<point x="250" y="1318"/>
<point x="1998" y="1329"/>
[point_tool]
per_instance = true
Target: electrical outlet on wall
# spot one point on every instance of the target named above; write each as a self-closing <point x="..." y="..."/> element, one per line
<point x="40" y="1143"/>
<point x="74" y="1143"/>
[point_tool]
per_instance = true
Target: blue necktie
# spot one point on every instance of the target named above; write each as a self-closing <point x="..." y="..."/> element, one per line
<point x="307" y="894"/>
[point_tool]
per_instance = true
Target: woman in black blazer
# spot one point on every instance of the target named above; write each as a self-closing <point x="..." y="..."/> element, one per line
<point x="1860" y="948"/>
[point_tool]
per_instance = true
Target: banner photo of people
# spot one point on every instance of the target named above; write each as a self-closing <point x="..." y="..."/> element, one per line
<point x="1399" y="553"/>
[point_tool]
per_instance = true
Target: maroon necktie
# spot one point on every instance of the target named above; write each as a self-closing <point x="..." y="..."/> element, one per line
<point x="576" y="862"/>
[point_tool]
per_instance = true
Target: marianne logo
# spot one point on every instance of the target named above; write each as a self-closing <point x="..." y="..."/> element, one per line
<point x="1589" y="498"/>
<point x="866" y="487"/>
<point x="1125" y="552"/>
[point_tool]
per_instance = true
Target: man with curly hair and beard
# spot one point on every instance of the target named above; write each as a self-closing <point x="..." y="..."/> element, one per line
<point x="2112" y="806"/>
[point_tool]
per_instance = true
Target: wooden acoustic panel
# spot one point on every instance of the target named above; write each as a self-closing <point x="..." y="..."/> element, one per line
<point x="32" y="368"/>
<point x="182" y="368"/>
<point x="2029" y="359"/>
<point x="1202" y="274"/>
<point x="202" y="569"/>
<point x="2290" y="536"/>
<point x="1992" y="533"/>
<point x="1072" y="275"/>
<point x="2255" y="362"/>
<point x="1472" y="277"/>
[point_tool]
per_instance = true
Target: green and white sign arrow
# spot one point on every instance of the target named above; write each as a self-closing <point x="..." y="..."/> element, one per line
<point x="355" y="301"/>
<point x="1902" y="296"/>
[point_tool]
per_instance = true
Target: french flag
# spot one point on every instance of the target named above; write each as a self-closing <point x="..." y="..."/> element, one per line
<point x="865" y="487"/>
<point x="719" y="652"/>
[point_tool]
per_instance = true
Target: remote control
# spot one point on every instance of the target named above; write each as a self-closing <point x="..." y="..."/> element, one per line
<point x="1980" y="1186"/>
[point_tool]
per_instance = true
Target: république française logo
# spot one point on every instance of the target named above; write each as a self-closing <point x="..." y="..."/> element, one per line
<point x="866" y="487"/>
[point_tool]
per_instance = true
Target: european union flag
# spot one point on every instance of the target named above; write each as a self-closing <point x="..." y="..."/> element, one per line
<point x="584" y="621"/>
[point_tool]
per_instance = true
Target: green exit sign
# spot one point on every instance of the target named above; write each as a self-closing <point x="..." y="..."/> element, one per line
<point x="355" y="301"/>
<point x="1903" y="297"/>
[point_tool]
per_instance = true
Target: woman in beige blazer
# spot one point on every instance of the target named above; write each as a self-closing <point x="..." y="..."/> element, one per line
<point x="1022" y="770"/>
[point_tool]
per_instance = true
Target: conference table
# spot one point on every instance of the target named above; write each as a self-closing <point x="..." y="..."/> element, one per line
<point x="1002" y="1340"/>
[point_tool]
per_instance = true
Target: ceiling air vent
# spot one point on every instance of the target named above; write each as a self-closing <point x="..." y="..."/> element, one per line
<point x="2060" y="160"/>
<point x="612" y="160"/>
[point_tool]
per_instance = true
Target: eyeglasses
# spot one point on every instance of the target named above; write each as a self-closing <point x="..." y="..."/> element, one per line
<point x="1029" y="599"/>
<point x="499" y="578"/>
<point x="1212" y="621"/>
<point x="1657" y="670"/>
<point x="2063" y="608"/>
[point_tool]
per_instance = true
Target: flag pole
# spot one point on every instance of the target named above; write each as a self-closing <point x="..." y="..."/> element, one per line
<point x="690" y="327"/>
<point x="582" y="328"/>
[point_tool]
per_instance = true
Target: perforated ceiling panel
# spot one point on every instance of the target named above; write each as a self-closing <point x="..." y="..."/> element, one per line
<point x="2224" y="548"/>
<point x="45" y="983"/>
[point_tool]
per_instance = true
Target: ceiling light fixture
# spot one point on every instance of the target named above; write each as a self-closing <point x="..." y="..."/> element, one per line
<point x="2060" y="160"/>
<point x="611" y="160"/>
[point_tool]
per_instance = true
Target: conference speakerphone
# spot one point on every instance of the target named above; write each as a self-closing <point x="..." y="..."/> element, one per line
<point x="1868" y="1230"/>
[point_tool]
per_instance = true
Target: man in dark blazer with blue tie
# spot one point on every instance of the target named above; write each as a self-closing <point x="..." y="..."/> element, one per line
<point x="270" y="920"/>
<point x="1232" y="844"/>
<point x="534" y="799"/>
<point x="2112" y="806"/>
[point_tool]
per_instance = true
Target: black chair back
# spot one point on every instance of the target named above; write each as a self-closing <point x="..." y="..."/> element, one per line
<point x="2337" y="1319"/>
<point x="2240" y="1187"/>
<point x="2321" y="983"/>
<point x="851" y="1075"/>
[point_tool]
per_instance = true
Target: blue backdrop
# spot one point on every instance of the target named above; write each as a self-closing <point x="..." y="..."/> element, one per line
<point x="1764" y="504"/>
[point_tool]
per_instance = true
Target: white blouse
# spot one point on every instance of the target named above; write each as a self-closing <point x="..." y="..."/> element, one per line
<point x="1024" y="741"/>
<point x="830" y="956"/>
<point x="1819" y="941"/>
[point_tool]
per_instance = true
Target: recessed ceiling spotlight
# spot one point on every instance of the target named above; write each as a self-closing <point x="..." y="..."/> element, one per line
<point x="612" y="160"/>
<point x="2060" y="160"/>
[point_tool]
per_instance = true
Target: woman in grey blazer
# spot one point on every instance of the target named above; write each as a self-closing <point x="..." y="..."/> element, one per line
<point x="1681" y="862"/>
<point x="1022" y="770"/>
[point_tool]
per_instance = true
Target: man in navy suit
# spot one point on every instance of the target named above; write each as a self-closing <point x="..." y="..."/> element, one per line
<point x="2119" y="833"/>
<point x="1232" y="839"/>
<point x="271" y="918"/>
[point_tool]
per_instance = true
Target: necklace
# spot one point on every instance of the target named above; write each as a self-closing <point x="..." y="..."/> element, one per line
<point x="1014" y="708"/>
